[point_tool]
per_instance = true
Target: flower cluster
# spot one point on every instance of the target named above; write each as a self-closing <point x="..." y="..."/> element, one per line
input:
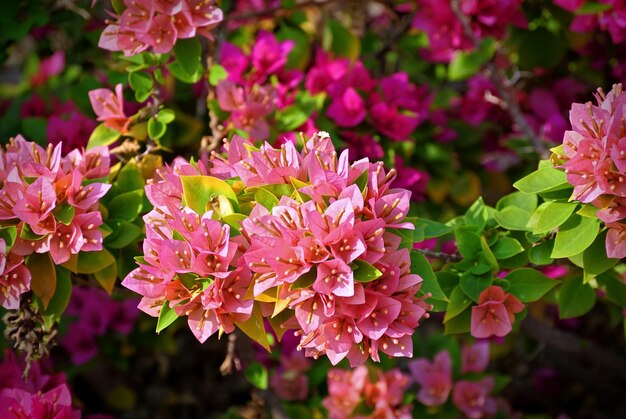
<point x="446" y="34"/>
<point x="318" y="240"/>
<point x="96" y="314"/>
<point x="53" y="200"/>
<point x="157" y="24"/>
<point x="595" y="162"/>
<point x="394" y="106"/>
<point x="473" y="398"/>
<point x="248" y="93"/>
<point x="109" y="108"/>
<point x="495" y="313"/>
<point x="611" y="19"/>
<point x="44" y="395"/>
<point x="380" y="394"/>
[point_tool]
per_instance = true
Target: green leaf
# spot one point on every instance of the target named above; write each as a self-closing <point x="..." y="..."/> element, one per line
<point x="43" y="276"/>
<point x="340" y="40"/>
<point x="575" y="298"/>
<point x="107" y="277"/>
<point x="506" y="247"/>
<point x="234" y="221"/>
<point x="542" y="180"/>
<point x="62" y="293"/>
<point x="27" y="234"/>
<point x="92" y="262"/>
<point x="9" y="234"/>
<point x="124" y="233"/>
<point x="541" y="254"/>
<point x="102" y="136"/>
<point x="301" y="52"/>
<point x="520" y="200"/>
<point x="266" y="198"/>
<point x="217" y="73"/>
<point x="615" y="288"/>
<point x="188" y="53"/>
<point x="551" y="215"/>
<point x="595" y="260"/>
<point x="167" y="316"/>
<point x="459" y="301"/>
<point x="574" y="236"/>
<point x="364" y="272"/>
<point x="529" y="285"/>
<point x="290" y="118"/>
<point x="179" y="73"/>
<point x="126" y="206"/>
<point x="472" y="285"/>
<point x="257" y="375"/>
<point x="421" y="267"/>
<point x="130" y="178"/>
<point x="468" y="242"/>
<point x="477" y="215"/>
<point x="466" y="64"/>
<point x="166" y="116"/>
<point x="305" y="280"/>
<point x="431" y="229"/>
<point x="142" y="95"/>
<point x="35" y="128"/>
<point x="201" y="192"/>
<point x="64" y="213"/>
<point x="156" y="129"/>
<point x="140" y="81"/>
<point x="513" y="218"/>
<point x="458" y="324"/>
<point x="254" y="327"/>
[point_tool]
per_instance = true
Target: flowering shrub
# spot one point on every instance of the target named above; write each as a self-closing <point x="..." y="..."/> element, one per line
<point x="303" y="184"/>
<point x="314" y="236"/>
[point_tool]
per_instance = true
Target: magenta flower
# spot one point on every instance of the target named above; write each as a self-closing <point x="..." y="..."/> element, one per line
<point x="348" y="109"/>
<point x="473" y="397"/>
<point x="109" y="107"/>
<point x="475" y="357"/>
<point x="434" y="378"/>
<point x="49" y="67"/>
<point x="495" y="313"/>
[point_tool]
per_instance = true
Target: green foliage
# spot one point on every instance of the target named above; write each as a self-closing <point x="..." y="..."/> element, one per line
<point x="257" y="375"/>
<point x="167" y="316"/>
<point x="575" y="298"/>
<point x="466" y="64"/>
<point x="102" y="136"/>
<point x="364" y="272"/>
<point x="528" y="284"/>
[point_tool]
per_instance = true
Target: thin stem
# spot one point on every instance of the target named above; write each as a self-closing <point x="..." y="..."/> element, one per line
<point x="504" y="87"/>
<point x="448" y="257"/>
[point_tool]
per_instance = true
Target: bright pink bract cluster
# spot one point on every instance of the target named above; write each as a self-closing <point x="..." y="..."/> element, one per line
<point x="53" y="201"/>
<point x="595" y="162"/>
<point x="470" y="396"/>
<point x="383" y="397"/>
<point x="42" y="396"/>
<point x="157" y="24"/>
<point x="319" y="240"/>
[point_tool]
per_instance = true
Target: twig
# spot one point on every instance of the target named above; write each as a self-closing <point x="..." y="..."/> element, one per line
<point x="231" y="361"/>
<point x="448" y="257"/>
<point x="503" y="85"/>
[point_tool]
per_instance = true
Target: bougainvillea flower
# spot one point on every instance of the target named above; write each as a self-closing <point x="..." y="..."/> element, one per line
<point x="109" y="107"/>
<point x="475" y="357"/>
<point x="495" y="313"/>
<point x="473" y="397"/>
<point x="434" y="378"/>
